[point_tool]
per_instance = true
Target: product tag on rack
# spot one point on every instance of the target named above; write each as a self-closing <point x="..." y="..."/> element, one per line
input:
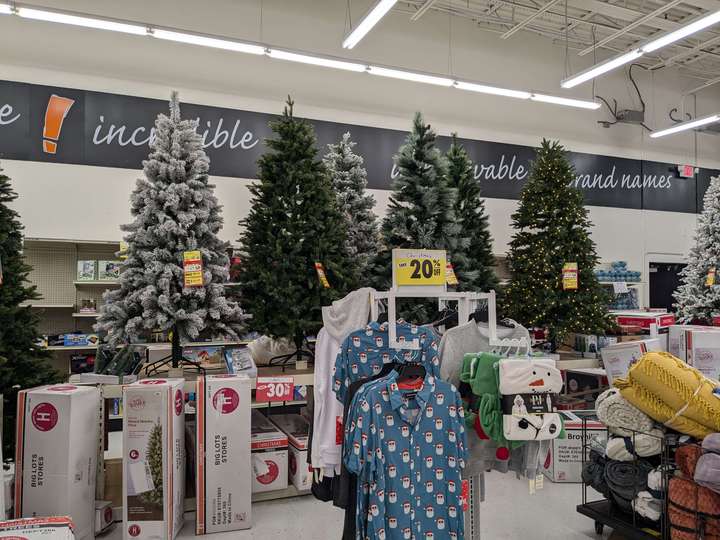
<point x="531" y="486"/>
<point x="539" y="481"/>
<point x="465" y="495"/>
<point x="123" y="251"/>
<point x="620" y="287"/>
<point x="320" y="269"/>
<point x="450" y="277"/>
<point x="710" y="279"/>
<point x="269" y="389"/>
<point x="192" y="269"/>
<point x="570" y="276"/>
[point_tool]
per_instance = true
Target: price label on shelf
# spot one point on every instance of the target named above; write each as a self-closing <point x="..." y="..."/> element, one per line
<point x="419" y="266"/>
<point x="274" y="389"/>
<point x="620" y="287"/>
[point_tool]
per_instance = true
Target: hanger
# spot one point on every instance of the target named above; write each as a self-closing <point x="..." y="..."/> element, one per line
<point x="481" y="315"/>
<point x="446" y="317"/>
<point x="411" y="376"/>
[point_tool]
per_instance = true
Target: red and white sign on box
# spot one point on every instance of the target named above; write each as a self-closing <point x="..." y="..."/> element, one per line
<point x="644" y="319"/>
<point x="274" y="389"/>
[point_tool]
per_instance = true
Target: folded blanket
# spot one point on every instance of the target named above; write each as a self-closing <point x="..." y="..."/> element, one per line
<point x="692" y="508"/>
<point x="626" y="479"/>
<point x="687" y="457"/>
<point x="525" y="376"/>
<point x="673" y="393"/>
<point x="707" y="472"/>
<point x="711" y="443"/>
<point x="532" y="427"/>
<point x="647" y="506"/>
<point x="655" y="483"/>
<point x="593" y="473"/>
<point x="621" y="417"/>
<point x="637" y="445"/>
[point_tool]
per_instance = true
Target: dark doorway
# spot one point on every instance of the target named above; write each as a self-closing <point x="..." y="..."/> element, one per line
<point x="664" y="279"/>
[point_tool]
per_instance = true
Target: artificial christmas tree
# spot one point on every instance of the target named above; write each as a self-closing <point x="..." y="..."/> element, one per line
<point x="154" y="460"/>
<point x="421" y="212"/>
<point x="349" y="181"/>
<point x="698" y="296"/>
<point x="175" y="213"/>
<point x="23" y="363"/>
<point x="552" y="231"/>
<point x="293" y="224"/>
<point x="473" y="264"/>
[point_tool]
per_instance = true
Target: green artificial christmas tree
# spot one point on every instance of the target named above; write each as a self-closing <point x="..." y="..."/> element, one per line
<point x="698" y="298"/>
<point x="421" y="213"/>
<point x="473" y="263"/>
<point x="154" y="460"/>
<point x="349" y="181"/>
<point x="23" y="363"/>
<point x="293" y="224"/>
<point x="552" y="229"/>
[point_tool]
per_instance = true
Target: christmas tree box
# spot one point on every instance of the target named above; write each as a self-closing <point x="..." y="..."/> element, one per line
<point x="103" y="516"/>
<point x="269" y="454"/>
<point x="297" y="430"/>
<point x="86" y="271"/>
<point x="56" y="454"/>
<point x="108" y="270"/>
<point x="223" y="477"/>
<point x="154" y="458"/>
<point x="702" y="351"/>
<point x="617" y="359"/>
<point x="677" y="340"/>
<point x="644" y="319"/>
<point x="41" y="528"/>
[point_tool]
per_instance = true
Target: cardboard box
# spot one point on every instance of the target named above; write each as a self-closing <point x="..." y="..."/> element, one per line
<point x="224" y="480"/>
<point x="585" y="380"/>
<point x="269" y="454"/>
<point x="644" y="319"/>
<point x="103" y="516"/>
<point x="108" y="270"/>
<point x="677" y="343"/>
<point x="56" y="454"/>
<point x="86" y="271"/>
<point x="617" y="359"/>
<point x="297" y="430"/>
<point x="564" y="459"/>
<point x="42" y="528"/>
<point x="154" y="459"/>
<point x="702" y="350"/>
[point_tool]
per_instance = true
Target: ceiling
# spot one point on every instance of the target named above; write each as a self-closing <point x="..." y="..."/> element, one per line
<point x="595" y="27"/>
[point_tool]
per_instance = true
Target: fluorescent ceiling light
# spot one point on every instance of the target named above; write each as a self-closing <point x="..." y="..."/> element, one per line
<point x="5" y="9"/>
<point x="88" y="22"/>
<point x="599" y="69"/>
<point x="683" y="32"/>
<point x="316" y="60"/>
<point x="371" y="18"/>
<point x="204" y="41"/>
<point x="484" y="89"/>
<point x="684" y="126"/>
<point x="410" y="76"/>
<point x="557" y="100"/>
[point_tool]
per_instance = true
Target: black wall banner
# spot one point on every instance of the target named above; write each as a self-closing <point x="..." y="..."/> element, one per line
<point x="42" y="123"/>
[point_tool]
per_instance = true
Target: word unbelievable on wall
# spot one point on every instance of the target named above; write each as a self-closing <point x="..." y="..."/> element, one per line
<point x="111" y="130"/>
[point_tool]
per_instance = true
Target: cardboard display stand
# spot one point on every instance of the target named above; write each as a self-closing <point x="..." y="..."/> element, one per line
<point x="154" y="459"/>
<point x="56" y="454"/>
<point x="50" y="528"/>
<point x="224" y="480"/>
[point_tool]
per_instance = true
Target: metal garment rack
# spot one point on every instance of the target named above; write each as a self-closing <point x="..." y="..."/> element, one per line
<point x="467" y="302"/>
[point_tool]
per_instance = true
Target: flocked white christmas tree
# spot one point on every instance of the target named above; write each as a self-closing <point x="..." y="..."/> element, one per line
<point x="174" y="210"/>
<point x="697" y="300"/>
<point x="349" y="181"/>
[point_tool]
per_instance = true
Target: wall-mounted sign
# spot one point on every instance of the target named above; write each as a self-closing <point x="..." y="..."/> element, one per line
<point x="63" y="125"/>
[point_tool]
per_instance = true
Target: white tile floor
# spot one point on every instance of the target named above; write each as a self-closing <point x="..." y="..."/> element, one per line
<point x="509" y="512"/>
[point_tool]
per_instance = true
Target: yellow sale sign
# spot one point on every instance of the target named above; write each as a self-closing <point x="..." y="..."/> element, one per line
<point x="420" y="266"/>
<point x="193" y="269"/>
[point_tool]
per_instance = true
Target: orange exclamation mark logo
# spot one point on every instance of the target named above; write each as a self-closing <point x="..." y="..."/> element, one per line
<point x="57" y="109"/>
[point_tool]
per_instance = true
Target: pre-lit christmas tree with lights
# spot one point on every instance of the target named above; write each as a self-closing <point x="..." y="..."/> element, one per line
<point x="552" y="230"/>
<point x="698" y="296"/>
<point x="474" y="260"/>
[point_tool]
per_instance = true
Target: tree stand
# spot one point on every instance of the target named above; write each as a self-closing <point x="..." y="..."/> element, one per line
<point x="284" y="359"/>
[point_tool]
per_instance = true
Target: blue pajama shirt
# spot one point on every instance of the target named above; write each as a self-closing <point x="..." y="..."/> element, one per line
<point x="364" y="352"/>
<point x="408" y="452"/>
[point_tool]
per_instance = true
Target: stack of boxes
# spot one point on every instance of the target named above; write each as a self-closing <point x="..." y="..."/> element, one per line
<point x="269" y="455"/>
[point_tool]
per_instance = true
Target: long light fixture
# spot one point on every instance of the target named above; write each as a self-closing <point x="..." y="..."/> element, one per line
<point x="5" y="9"/>
<point x="371" y="18"/>
<point x="684" y="126"/>
<point x="651" y="46"/>
<point x="76" y="20"/>
<point x="205" y="41"/>
<point x="316" y="60"/>
<point x="218" y="42"/>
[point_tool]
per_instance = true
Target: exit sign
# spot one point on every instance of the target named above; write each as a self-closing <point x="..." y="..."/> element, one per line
<point x="686" y="171"/>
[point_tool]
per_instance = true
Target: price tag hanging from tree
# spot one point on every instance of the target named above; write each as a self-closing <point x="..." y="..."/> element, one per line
<point x="570" y="276"/>
<point x="710" y="279"/>
<point x="192" y="269"/>
<point x="322" y="277"/>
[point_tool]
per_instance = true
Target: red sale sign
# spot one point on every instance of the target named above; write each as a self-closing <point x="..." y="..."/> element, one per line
<point x="274" y="389"/>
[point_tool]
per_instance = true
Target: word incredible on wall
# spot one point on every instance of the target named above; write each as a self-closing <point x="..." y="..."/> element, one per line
<point x="42" y="123"/>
